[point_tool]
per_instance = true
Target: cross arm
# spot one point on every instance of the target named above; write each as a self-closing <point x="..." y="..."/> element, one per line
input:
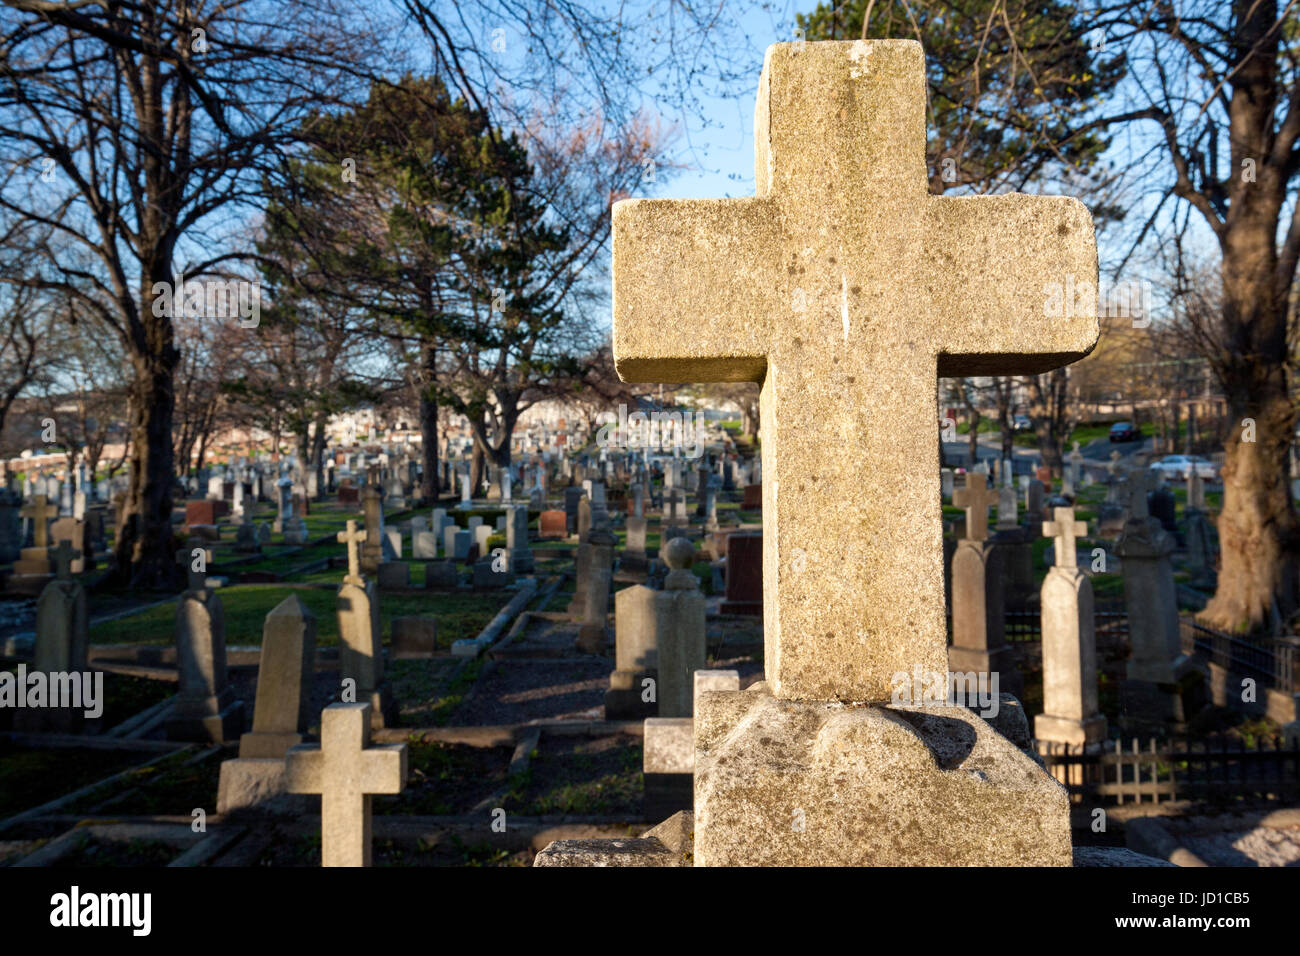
<point x="1000" y="272"/>
<point x="697" y="289"/>
<point x="384" y="768"/>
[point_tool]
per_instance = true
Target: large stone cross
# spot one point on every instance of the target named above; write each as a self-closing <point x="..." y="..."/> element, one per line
<point x="345" y="770"/>
<point x="846" y="290"/>
<point x="40" y="511"/>
<point x="1065" y="530"/>
<point x="976" y="498"/>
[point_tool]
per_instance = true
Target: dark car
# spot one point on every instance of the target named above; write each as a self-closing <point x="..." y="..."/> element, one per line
<point x="1124" y="431"/>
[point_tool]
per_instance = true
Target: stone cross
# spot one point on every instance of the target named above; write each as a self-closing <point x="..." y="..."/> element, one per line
<point x="976" y="499"/>
<point x="63" y="556"/>
<point x="1138" y="484"/>
<point x="194" y="580"/>
<point x="345" y="770"/>
<point x="846" y="289"/>
<point x="1065" y="529"/>
<point x="40" y="511"/>
<point x="353" y="539"/>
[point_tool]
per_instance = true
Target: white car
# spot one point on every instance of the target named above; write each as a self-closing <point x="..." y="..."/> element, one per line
<point x="1180" y="466"/>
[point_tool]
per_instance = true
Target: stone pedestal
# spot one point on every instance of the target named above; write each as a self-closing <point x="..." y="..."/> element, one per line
<point x="1070" y="712"/>
<point x="1150" y="698"/>
<point x="978" y="638"/>
<point x="818" y="783"/>
<point x="744" y="575"/>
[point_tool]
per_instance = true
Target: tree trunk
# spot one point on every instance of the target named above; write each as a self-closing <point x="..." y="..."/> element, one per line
<point x="1257" y="525"/>
<point x="974" y="436"/>
<point x="429" y="481"/>
<point x="145" y="548"/>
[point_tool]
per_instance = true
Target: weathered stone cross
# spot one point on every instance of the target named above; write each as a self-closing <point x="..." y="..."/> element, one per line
<point x="194" y="580"/>
<point x="63" y="556"/>
<point x="353" y="539"/>
<point x="345" y="770"/>
<point x="40" y="511"/>
<point x="976" y="497"/>
<point x="846" y="290"/>
<point x="1065" y="529"/>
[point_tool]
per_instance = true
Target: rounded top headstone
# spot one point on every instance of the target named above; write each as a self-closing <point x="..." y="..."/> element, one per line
<point x="679" y="554"/>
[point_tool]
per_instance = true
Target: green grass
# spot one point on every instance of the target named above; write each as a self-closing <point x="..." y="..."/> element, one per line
<point x="246" y="606"/>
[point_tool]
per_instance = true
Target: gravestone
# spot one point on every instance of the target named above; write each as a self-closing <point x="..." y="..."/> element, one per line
<point x="345" y="770"/>
<point x="521" y="555"/>
<point x="206" y="708"/>
<point x="1070" y="712"/>
<point x="424" y="545"/>
<point x="571" y="498"/>
<point x="877" y="325"/>
<point x="593" y="632"/>
<point x="361" y="659"/>
<point x="978" y="638"/>
<point x="945" y="483"/>
<point x="1034" y="501"/>
<point x="668" y="753"/>
<point x="372" y="551"/>
<point x="60" y="648"/>
<point x="744" y="575"/>
<point x="281" y="714"/>
<point x="634" y="554"/>
<point x="552" y="524"/>
<point x="456" y="542"/>
<point x="584" y="519"/>
<point x="246" y="539"/>
<point x="1150" y="699"/>
<point x="34" y="569"/>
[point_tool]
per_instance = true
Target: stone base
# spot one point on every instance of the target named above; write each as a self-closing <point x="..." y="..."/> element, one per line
<point x="812" y="783"/>
<point x="1067" y="730"/>
<point x="592" y="639"/>
<point x="258" y="746"/>
<point x="623" y="699"/>
<point x="216" y="728"/>
<point x="671" y="843"/>
<point x="414" y="638"/>
<point x="247" y="784"/>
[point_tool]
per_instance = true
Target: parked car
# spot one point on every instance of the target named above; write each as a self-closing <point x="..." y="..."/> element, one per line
<point x="1124" y="431"/>
<point x="1180" y="466"/>
<point x="1021" y="423"/>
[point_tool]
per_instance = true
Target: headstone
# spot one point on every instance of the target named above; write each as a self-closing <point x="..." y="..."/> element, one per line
<point x="552" y="524"/>
<point x="1070" y="712"/>
<point x="60" y="648"/>
<point x="1034" y="500"/>
<point x="372" y="551"/>
<point x="634" y="554"/>
<point x="33" y="569"/>
<point x="414" y="638"/>
<point x="1148" y="696"/>
<point x="596" y="564"/>
<point x="285" y="675"/>
<point x="659" y="643"/>
<point x="1195" y="491"/>
<point x="744" y="575"/>
<point x="78" y="532"/>
<point x="852" y="115"/>
<point x="424" y="545"/>
<point x="945" y="483"/>
<point x="978" y="636"/>
<point x="246" y="539"/>
<point x="361" y="659"/>
<point x="456" y="542"/>
<point x="206" y="708"/>
<point x="521" y="556"/>
<point x="11" y="541"/>
<point x="345" y="770"/>
<point x="571" y="498"/>
<point x="584" y="519"/>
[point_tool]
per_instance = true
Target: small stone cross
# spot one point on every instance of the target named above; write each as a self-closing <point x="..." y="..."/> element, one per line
<point x="345" y="770"/>
<point x="976" y="499"/>
<point x="353" y="539"/>
<point x="63" y="556"/>
<point x="1065" y="530"/>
